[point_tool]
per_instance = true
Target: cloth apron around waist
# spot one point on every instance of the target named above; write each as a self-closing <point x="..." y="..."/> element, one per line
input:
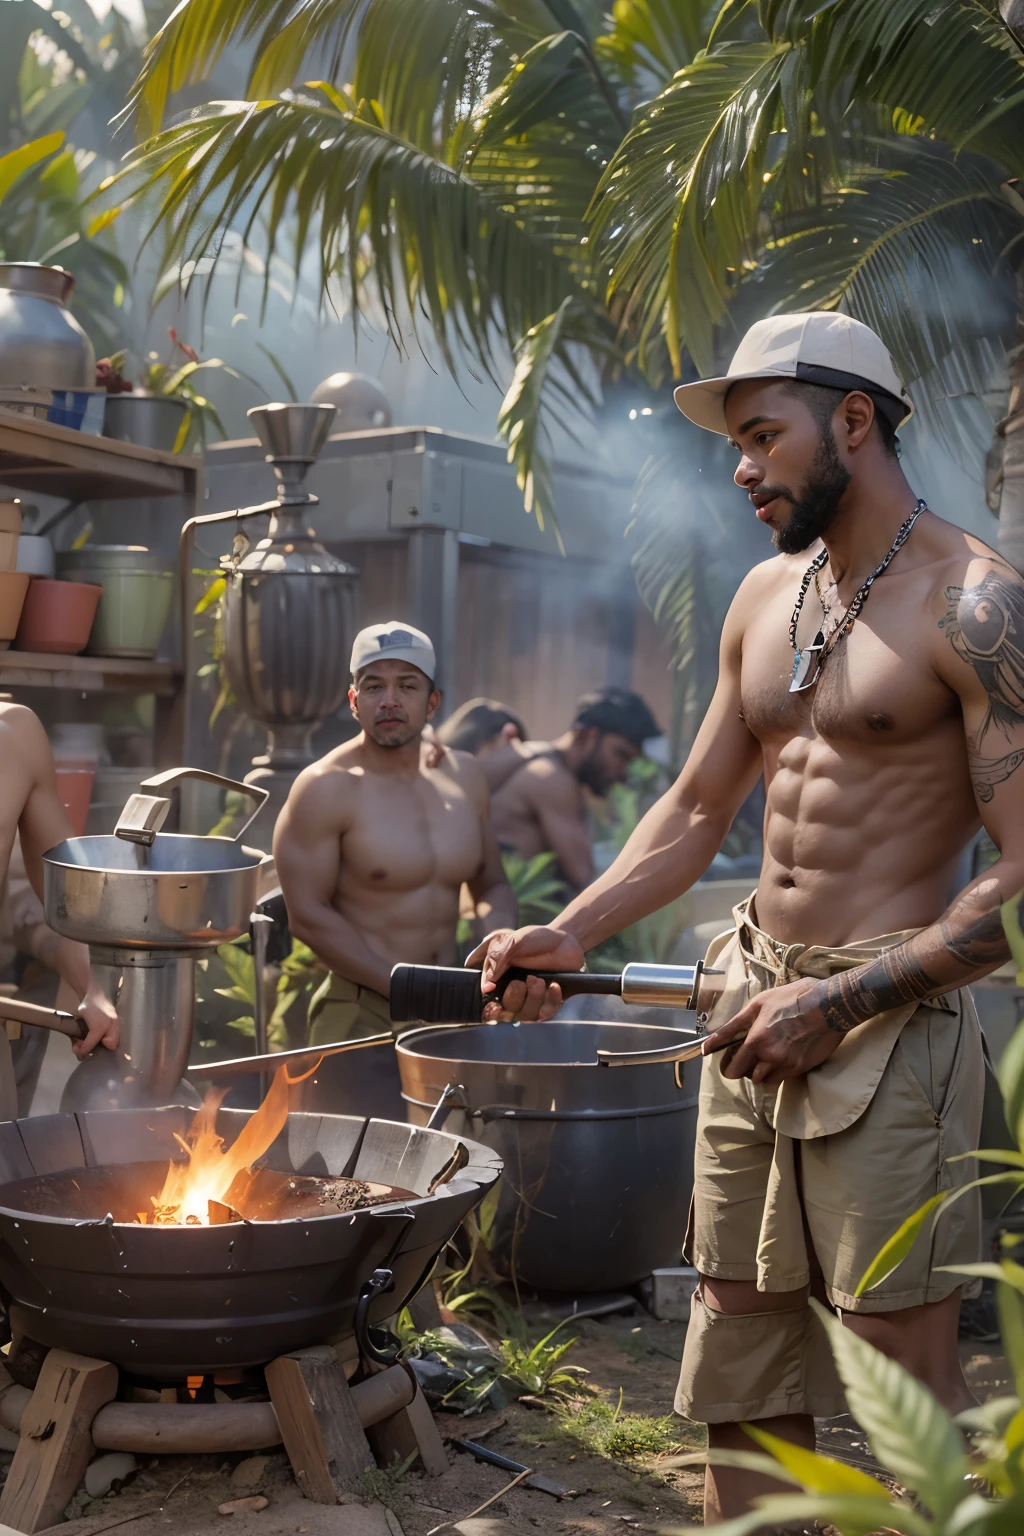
<point x="835" y="1094"/>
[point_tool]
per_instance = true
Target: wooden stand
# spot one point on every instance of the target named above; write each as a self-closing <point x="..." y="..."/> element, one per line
<point x="321" y="1419"/>
<point x="56" y="1441"/>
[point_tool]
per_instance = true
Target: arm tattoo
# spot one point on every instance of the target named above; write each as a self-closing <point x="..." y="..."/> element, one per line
<point x="985" y="626"/>
<point x="966" y="943"/>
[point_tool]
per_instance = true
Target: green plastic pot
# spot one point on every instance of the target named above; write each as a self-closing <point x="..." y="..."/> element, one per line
<point x="138" y="590"/>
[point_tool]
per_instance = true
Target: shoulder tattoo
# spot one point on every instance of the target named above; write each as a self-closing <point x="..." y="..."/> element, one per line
<point x="985" y="626"/>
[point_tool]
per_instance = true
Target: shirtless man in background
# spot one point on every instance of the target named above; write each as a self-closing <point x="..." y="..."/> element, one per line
<point x="888" y="722"/>
<point x="31" y="808"/>
<point x="537" y="787"/>
<point x="377" y="839"/>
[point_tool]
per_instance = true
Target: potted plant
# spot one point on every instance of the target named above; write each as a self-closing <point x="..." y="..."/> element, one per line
<point x="165" y="410"/>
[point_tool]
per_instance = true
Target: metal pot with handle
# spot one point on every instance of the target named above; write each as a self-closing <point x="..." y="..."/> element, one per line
<point x="149" y="904"/>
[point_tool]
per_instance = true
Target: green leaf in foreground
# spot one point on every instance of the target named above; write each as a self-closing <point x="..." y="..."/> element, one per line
<point x="909" y="1431"/>
<point x="898" y="1246"/>
<point x="853" y="1515"/>
<point x="1010" y="1070"/>
<point x="818" y="1474"/>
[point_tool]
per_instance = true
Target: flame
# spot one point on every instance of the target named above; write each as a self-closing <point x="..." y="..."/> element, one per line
<point x="211" y="1169"/>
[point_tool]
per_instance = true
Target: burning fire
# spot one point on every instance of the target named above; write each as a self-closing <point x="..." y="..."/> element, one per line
<point x="211" y="1168"/>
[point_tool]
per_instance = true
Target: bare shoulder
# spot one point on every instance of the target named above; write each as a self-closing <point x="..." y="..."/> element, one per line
<point x="948" y="556"/>
<point x="765" y="583"/>
<point x="977" y="601"/>
<point x="21" y="732"/>
<point x="768" y="579"/>
<point x="327" y="789"/>
<point x="466" y="771"/>
<point x="965" y="570"/>
<point x="548" y="777"/>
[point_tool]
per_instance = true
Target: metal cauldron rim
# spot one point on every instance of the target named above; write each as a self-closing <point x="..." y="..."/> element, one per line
<point x="254" y="856"/>
<point x="404" y="1042"/>
<point x="480" y="1156"/>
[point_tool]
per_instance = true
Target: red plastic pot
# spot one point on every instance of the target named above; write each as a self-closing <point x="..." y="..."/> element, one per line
<point x="57" y="616"/>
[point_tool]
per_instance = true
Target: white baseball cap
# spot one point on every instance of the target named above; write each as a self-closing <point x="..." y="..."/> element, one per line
<point x="393" y="641"/>
<point x="816" y="347"/>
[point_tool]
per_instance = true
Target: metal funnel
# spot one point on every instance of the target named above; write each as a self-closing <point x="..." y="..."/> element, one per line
<point x="292" y="436"/>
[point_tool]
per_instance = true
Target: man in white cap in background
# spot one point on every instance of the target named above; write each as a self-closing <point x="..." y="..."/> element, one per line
<point x="378" y="838"/>
<point x="874" y="673"/>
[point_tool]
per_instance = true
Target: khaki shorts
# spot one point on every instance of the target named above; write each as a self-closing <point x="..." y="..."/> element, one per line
<point x="781" y="1212"/>
<point x="343" y="1010"/>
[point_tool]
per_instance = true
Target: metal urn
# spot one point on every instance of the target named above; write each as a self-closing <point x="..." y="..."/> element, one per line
<point x="289" y="608"/>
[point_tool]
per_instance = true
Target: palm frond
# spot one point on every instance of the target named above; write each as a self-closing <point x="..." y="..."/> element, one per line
<point x="378" y="209"/>
<point x="546" y="371"/>
<point x="414" y="55"/>
<point x="668" y="549"/>
<point x="429" y="63"/>
<point x="913" y="249"/>
<point x="539" y="144"/>
<point x="677" y="206"/>
<point x="551" y="80"/>
<point x="950" y="62"/>
<point x="647" y="41"/>
<point x="192" y="40"/>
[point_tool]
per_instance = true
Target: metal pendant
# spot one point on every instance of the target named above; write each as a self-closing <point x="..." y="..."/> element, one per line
<point x="807" y="665"/>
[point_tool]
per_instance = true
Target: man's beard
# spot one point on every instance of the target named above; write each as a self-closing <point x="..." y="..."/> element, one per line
<point x="816" y="510"/>
<point x="591" y="774"/>
<point x="402" y="739"/>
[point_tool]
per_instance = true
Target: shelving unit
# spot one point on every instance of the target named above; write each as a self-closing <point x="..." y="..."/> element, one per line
<point x="88" y="674"/>
<point x="39" y="459"/>
<point x="54" y="461"/>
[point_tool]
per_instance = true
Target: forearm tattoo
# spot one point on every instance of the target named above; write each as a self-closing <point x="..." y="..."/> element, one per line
<point x="966" y="943"/>
<point x="985" y="626"/>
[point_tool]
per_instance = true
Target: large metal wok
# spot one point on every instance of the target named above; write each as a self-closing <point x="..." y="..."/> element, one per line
<point x="169" y="1302"/>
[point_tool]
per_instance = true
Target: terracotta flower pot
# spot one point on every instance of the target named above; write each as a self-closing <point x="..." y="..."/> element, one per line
<point x="13" y="586"/>
<point x="74" y="785"/>
<point x="57" y="616"/>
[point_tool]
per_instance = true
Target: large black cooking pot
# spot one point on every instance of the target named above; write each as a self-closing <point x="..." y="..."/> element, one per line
<point x="165" y="1303"/>
<point x="598" y="1160"/>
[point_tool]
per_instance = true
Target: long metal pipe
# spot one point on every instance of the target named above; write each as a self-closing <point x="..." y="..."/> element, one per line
<point x="206" y="519"/>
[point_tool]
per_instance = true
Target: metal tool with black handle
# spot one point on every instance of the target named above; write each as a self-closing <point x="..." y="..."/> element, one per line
<point x="437" y="994"/>
<point x="440" y="994"/>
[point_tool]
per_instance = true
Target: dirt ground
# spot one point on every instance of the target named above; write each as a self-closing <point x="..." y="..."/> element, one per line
<point x="634" y="1355"/>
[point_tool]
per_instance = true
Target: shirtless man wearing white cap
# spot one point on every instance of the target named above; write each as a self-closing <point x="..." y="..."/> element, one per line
<point x="378" y="838"/>
<point x="873" y="672"/>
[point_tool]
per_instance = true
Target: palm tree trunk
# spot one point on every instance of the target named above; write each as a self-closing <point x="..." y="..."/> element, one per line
<point x="1011" y="431"/>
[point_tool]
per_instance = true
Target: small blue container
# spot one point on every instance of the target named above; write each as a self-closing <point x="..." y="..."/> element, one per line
<point x="80" y="409"/>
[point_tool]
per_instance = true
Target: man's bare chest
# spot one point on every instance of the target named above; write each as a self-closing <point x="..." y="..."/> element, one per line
<point x="876" y="684"/>
<point x="404" y="836"/>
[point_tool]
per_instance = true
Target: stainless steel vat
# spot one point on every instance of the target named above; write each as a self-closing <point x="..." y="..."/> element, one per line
<point x="41" y="342"/>
<point x="599" y="1161"/>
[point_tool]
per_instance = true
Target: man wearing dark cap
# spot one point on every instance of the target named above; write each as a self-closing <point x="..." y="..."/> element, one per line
<point x="537" y="787"/>
<point x="873" y="672"/>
